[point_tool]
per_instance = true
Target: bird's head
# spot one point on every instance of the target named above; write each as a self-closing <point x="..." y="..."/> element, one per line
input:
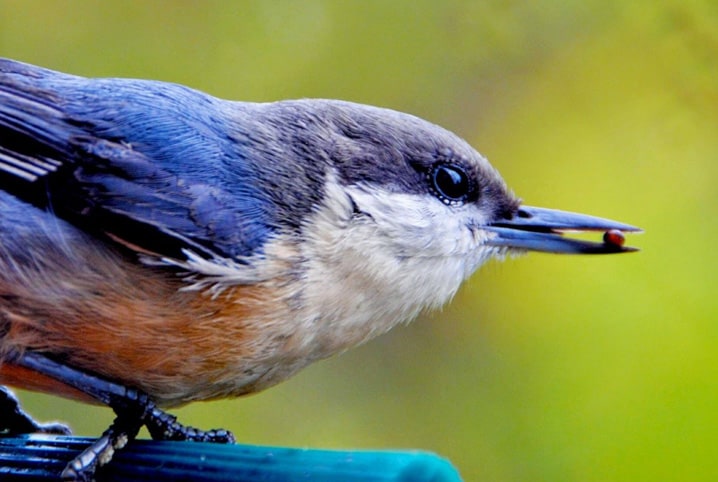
<point x="409" y="210"/>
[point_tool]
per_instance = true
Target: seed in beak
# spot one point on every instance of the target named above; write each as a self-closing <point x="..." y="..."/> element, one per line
<point x="614" y="237"/>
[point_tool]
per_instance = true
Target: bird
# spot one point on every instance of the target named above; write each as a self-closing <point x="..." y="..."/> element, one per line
<point x="160" y="246"/>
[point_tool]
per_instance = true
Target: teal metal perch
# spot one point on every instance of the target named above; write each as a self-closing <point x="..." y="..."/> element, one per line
<point x="42" y="458"/>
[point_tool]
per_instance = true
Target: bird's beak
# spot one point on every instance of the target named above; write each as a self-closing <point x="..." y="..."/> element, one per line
<point x="540" y="229"/>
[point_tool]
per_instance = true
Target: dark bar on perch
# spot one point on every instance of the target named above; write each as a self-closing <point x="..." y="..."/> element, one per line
<point x="42" y="458"/>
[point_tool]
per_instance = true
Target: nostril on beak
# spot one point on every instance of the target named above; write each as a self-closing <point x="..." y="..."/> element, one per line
<point x="508" y="214"/>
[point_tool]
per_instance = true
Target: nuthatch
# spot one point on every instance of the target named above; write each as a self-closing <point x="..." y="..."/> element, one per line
<point x="160" y="246"/>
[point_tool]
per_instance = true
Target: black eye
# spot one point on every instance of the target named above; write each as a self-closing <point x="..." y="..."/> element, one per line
<point x="450" y="183"/>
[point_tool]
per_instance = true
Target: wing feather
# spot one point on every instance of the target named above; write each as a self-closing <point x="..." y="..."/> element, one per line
<point x="117" y="158"/>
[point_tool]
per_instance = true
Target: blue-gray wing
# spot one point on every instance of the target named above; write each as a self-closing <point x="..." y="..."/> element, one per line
<point x="146" y="162"/>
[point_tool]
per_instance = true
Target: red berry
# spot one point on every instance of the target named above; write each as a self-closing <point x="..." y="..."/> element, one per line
<point x="614" y="237"/>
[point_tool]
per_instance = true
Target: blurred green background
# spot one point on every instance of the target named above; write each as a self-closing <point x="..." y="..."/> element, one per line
<point x="544" y="368"/>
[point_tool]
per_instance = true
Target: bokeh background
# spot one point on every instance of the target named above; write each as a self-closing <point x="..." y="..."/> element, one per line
<point x="544" y="368"/>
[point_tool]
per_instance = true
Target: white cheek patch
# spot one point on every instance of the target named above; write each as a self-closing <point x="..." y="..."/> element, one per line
<point x="406" y="253"/>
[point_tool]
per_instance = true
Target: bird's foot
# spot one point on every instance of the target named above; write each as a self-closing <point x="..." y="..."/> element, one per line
<point x="135" y="409"/>
<point x="132" y="407"/>
<point x="82" y="468"/>
<point x="15" y="420"/>
<point x="164" y="426"/>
